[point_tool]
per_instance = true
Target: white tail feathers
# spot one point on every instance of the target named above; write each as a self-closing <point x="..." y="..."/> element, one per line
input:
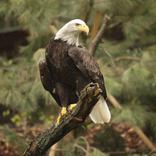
<point x="100" y="113"/>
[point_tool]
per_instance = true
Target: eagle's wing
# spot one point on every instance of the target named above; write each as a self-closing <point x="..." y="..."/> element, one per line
<point x="47" y="80"/>
<point x="87" y="65"/>
<point x="90" y="69"/>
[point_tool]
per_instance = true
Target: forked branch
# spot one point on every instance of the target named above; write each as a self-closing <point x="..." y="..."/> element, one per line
<point x="88" y="98"/>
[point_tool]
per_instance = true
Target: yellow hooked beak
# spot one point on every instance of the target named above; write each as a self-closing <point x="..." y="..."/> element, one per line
<point x="83" y="28"/>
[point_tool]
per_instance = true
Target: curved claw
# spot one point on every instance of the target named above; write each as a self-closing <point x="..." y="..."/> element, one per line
<point x="72" y="106"/>
<point x="61" y="115"/>
<point x="63" y="111"/>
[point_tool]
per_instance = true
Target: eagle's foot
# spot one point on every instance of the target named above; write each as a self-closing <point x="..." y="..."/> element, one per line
<point x="63" y="111"/>
<point x="58" y="120"/>
<point x="61" y="115"/>
<point x="72" y="106"/>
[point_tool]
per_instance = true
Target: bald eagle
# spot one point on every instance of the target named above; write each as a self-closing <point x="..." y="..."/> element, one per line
<point x="68" y="67"/>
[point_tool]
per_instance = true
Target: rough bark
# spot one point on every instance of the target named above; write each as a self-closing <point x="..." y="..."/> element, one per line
<point x="88" y="98"/>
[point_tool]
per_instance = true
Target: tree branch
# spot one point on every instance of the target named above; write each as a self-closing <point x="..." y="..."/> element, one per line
<point x="87" y="8"/>
<point x="111" y="98"/>
<point x="131" y="58"/>
<point x="95" y="42"/>
<point x="138" y="131"/>
<point x="88" y="98"/>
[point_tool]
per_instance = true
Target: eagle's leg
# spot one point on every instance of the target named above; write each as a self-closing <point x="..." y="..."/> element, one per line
<point x="62" y="113"/>
<point x="62" y="93"/>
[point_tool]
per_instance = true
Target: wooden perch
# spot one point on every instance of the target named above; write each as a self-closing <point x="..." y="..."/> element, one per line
<point x="88" y="98"/>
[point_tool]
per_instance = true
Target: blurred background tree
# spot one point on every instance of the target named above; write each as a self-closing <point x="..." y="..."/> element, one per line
<point x="127" y="57"/>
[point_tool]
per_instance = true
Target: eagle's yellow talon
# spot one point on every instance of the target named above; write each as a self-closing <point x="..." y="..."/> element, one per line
<point x="58" y="120"/>
<point x="72" y="106"/>
<point x="62" y="113"/>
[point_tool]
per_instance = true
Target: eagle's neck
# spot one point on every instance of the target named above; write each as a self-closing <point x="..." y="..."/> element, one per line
<point x="72" y="38"/>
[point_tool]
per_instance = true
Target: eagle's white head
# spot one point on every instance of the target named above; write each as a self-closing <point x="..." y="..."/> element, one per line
<point x="71" y="30"/>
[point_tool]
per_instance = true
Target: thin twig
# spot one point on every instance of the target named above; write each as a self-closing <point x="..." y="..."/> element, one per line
<point x="126" y="58"/>
<point x="111" y="58"/>
<point x="145" y="139"/>
<point x="80" y="147"/>
<point x="95" y="42"/>
<point x="139" y="132"/>
<point x="87" y="145"/>
<point x="114" y="102"/>
<point x="52" y="151"/>
<point x="111" y="98"/>
<point x="87" y="8"/>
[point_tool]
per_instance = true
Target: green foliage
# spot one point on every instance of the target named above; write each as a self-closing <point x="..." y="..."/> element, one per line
<point x="108" y="140"/>
<point x="134" y="113"/>
<point x="21" y="88"/>
<point x="78" y="147"/>
<point x="137" y="18"/>
<point x="132" y="82"/>
<point x="113" y="86"/>
<point x="36" y="17"/>
<point x="23" y="11"/>
<point x="23" y="92"/>
<point x="13" y="138"/>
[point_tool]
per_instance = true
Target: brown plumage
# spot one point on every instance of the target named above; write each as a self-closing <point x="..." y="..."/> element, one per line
<point x="66" y="70"/>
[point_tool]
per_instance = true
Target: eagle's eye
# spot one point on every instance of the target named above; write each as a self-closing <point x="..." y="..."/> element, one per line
<point x="77" y="24"/>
